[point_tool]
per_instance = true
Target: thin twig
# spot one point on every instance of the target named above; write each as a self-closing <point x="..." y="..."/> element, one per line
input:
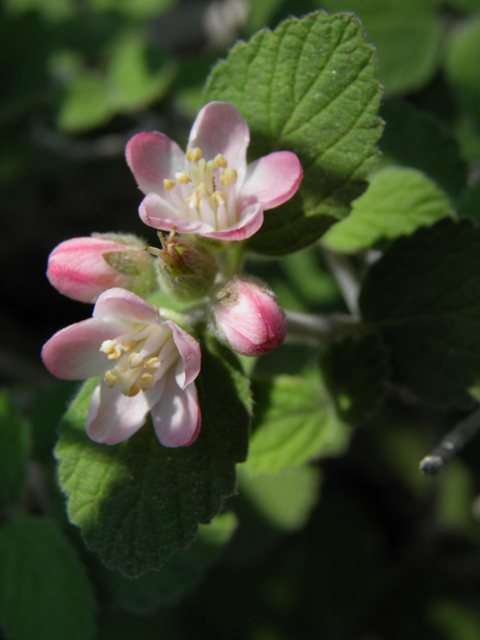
<point x="347" y="279"/>
<point x="452" y="444"/>
<point x="320" y="330"/>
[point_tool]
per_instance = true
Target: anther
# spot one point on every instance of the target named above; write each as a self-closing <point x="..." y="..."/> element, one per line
<point x="220" y="161"/>
<point x="168" y="184"/>
<point x="145" y="381"/>
<point x="183" y="177"/>
<point x="193" y="201"/>
<point x="229" y="177"/>
<point x="115" y="355"/>
<point x="133" y="391"/>
<point x="203" y="191"/>
<point x="135" y="360"/>
<point x="219" y="198"/>
<point x="108" y="347"/>
<point x="194" y="155"/>
<point x="110" y="378"/>
<point x="152" y="364"/>
<point x="129" y="346"/>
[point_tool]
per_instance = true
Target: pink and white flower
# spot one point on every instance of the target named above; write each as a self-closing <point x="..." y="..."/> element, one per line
<point x="145" y="363"/>
<point x="210" y="190"/>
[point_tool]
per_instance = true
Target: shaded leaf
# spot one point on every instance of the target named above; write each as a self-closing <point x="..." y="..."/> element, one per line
<point x="397" y="202"/>
<point x="44" y="592"/>
<point x="14" y="448"/>
<point x="308" y="87"/>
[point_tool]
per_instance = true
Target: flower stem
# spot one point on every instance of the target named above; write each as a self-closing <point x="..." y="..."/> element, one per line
<point x="320" y="330"/>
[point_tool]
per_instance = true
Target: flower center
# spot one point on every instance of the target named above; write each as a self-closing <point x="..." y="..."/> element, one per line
<point x="207" y="193"/>
<point x="142" y="356"/>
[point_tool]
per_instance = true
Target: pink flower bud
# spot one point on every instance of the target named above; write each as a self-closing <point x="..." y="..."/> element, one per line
<point x="249" y="318"/>
<point x="83" y="268"/>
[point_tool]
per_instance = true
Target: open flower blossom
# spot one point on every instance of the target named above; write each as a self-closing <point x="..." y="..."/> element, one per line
<point x="210" y="190"/>
<point x="248" y="318"/>
<point x="145" y="363"/>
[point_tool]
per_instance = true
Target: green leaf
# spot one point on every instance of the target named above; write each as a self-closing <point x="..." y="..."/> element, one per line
<point x="85" y="105"/>
<point x="424" y="297"/>
<point x="138" y="501"/>
<point x="44" y="592"/>
<point x="397" y="202"/>
<point x="181" y="574"/>
<point x="407" y="35"/>
<point x="308" y="87"/>
<point x="356" y="371"/>
<point x="295" y="421"/>
<point x="418" y="139"/>
<point x="14" y="449"/>
<point x="285" y="500"/>
<point x="469" y="204"/>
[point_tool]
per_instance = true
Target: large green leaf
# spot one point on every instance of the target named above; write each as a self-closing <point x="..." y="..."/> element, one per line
<point x="407" y="35"/>
<point x="44" y="592"/>
<point x="397" y="202"/>
<point x="14" y="447"/>
<point x="424" y="297"/>
<point x="308" y="87"/>
<point x="137" y="502"/>
<point x="295" y="421"/>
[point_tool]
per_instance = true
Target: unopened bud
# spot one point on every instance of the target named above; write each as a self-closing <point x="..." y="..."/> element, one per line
<point x="83" y="268"/>
<point x="248" y="318"/>
<point x="185" y="271"/>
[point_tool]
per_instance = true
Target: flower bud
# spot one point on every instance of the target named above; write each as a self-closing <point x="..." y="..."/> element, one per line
<point x="248" y="318"/>
<point x="185" y="271"/>
<point x="83" y="268"/>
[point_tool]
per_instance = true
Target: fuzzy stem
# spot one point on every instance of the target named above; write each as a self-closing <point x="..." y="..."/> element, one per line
<point x="452" y="444"/>
<point x="320" y="330"/>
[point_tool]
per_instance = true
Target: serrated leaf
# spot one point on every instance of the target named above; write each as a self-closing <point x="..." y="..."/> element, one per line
<point x="295" y="421"/>
<point x="14" y="448"/>
<point x="397" y="202"/>
<point x="423" y="295"/>
<point x="44" y="592"/>
<point x="394" y="26"/>
<point x="308" y="87"/>
<point x="356" y="371"/>
<point x="181" y="574"/>
<point x="137" y="502"/>
<point x="418" y="139"/>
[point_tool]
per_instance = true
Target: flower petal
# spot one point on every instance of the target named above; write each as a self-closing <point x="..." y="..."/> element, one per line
<point x="273" y="180"/>
<point x="74" y="352"/>
<point x="249" y="223"/>
<point x="177" y="417"/>
<point x="113" y="417"/>
<point x="219" y="128"/>
<point x="152" y="157"/>
<point x="124" y="306"/>
<point x="159" y="214"/>
<point x="188" y="367"/>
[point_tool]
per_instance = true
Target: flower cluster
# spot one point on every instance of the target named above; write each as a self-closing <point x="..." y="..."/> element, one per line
<point x="147" y="363"/>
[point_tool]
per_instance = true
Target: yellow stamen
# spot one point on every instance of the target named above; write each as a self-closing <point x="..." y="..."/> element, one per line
<point x="152" y="364"/>
<point x="129" y="346"/>
<point x="194" y="155"/>
<point x="115" y="355"/>
<point x="110" y="378"/>
<point x="108" y="347"/>
<point x="193" y="201"/>
<point x="134" y="389"/>
<point x="168" y="184"/>
<point x="146" y="381"/>
<point x="135" y="360"/>
<point x="203" y="191"/>
<point x="229" y="177"/>
<point x="219" y="198"/>
<point x="183" y="178"/>
<point x="220" y="161"/>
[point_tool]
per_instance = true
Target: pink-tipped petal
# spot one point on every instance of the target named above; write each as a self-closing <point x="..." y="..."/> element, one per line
<point x="113" y="417"/>
<point x="177" y="417"/>
<point x="250" y="223"/>
<point x="159" y="214"/>
<point x="272" y="180"/>
<point x="153" y="157"/>
<point x="124" y="306"/>
<point x="74" y="352"/>
<point x="219" y="128"/>
<point x="188" y="366"/>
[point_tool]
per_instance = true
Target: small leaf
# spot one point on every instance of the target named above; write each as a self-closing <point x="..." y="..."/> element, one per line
<point x="44" y="592"/>
<point x="356" y="371"/>
<point x="397" y="202"/>
<point x="308" y="87"/>
<point x="418" y="139"/>
<point x="181" y="574"/>
<point x="423" y="295"/>
<point x="295" y="421"/>
<point x="137" y="502"/>
<point x="85" y="105"/>
<point x="14" y="448"/>
<point x="394" y="26"/>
